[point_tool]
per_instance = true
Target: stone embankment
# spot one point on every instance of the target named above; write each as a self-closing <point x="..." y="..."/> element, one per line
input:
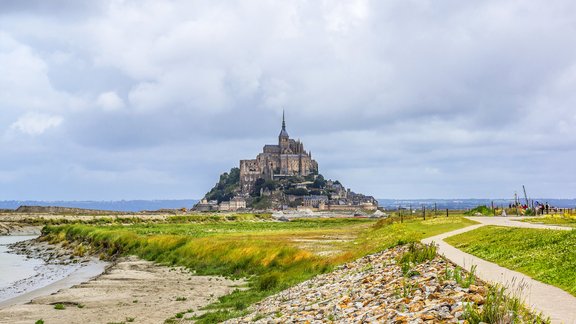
<point x="373" y="289"/>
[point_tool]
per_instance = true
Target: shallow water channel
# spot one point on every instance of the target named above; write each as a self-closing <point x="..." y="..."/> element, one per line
<point x="15" y="267"/>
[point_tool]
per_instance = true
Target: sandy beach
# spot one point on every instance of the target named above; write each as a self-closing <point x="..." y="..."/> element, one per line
<point x="132" y="290"/>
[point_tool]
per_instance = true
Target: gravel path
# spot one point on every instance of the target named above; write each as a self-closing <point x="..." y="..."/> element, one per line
<point x="554" y="302"/>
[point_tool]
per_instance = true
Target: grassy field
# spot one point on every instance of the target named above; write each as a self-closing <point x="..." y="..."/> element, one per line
<point x="545" y="255"/>
<point x="274" y="255"/>
<point x="569" y="221"/>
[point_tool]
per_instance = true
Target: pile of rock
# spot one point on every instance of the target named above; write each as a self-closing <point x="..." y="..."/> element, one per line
<point x="373" y="289"/>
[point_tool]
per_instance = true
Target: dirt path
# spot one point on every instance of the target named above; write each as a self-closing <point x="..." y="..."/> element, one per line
<point x="554" y="302"/>
<point x="133" y="290"/>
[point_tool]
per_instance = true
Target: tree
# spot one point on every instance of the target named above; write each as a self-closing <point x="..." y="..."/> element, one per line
<point x="319" y="183"/>
<point x="297" y="192"/>
<point x="255" y="192"/>
<point x="227" y="186"/>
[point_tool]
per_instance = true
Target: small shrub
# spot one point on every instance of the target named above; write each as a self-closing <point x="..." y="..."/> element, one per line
<point x="80" y="250"/>
<point x="480" y="210"/>
<point x="448" y="273"/>
<point x="59" y="306"/>
<point x="240" y="305"/>
<point x="181" y="298"/>
<point x="268" y="281"/>
<point x="407" y="288"/>
<point x="418" y="253"/>
<point x="500" y="308"/>
<point x="464" y="280"/>
<point x="470" y="278"/>
<point x="130" y="319"/>
<point x="40" y="321"/>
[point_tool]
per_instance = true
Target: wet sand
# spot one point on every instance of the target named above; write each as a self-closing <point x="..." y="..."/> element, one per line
<point x="132" y="290"/>
<point x="41" y="269"/>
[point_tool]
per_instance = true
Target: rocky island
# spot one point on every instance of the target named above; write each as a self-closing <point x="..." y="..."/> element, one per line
<point x="283" y="176"/>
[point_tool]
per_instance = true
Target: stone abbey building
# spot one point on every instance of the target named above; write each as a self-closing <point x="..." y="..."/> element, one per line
<point x="285" y="159"/>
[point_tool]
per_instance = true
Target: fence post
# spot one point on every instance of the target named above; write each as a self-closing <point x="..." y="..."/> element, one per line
<point x="424" y="211"/>
<point x="446" y="212"/>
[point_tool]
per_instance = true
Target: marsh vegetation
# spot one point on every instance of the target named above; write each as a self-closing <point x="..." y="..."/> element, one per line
<point x="271" y="254"/>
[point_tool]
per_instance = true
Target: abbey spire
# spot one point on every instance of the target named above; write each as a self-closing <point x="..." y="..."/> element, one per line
<point x="283" y="132"/>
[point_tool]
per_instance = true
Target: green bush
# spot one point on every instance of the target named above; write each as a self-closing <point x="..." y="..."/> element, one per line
<point x="481" y="210"/>
<point x="269" y="281"/>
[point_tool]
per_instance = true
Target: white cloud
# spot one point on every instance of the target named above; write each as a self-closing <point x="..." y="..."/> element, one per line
<point x="36" y="123"/>
<point x="385" y="93"/>
<point x="110" y="101"/>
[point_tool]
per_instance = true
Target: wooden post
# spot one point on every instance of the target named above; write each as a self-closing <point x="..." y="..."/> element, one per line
<point x="435" y="209"/>
<point x="424" y="211"/>
<point x="493" y="210"/>
<point x="446" y="212"/>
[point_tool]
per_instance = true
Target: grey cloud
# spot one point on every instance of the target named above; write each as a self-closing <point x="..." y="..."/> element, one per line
<point x="396" y="98"/>
<point x="52" y="7"/>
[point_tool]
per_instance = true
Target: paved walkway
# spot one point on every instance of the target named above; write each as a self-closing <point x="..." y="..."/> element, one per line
<point x="554" y="302"/>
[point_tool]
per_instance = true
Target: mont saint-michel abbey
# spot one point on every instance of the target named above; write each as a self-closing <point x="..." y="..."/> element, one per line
<point x="285" y="159"/>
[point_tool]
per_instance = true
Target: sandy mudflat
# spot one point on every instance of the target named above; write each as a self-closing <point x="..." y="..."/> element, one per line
<point x="132" y="290"/>
<point x="10" y="228"/>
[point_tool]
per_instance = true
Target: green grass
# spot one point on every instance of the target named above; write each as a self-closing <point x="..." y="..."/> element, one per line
<point x="269" y="253"/>
<point x="569" y="221"/>
<point x="88" y="219"/>
<point x="59" y="306"/>
<point x="545" y="255"/>
<point x="501" y="308"/>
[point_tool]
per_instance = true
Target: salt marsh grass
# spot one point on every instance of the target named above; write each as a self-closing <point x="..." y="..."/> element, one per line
<point x="266" y="252"/>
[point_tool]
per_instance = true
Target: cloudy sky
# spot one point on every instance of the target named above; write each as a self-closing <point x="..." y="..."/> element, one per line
<point x="122" y="99"/>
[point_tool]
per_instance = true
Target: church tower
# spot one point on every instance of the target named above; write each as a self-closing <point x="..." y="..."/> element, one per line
<point x="283" y="138"/>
